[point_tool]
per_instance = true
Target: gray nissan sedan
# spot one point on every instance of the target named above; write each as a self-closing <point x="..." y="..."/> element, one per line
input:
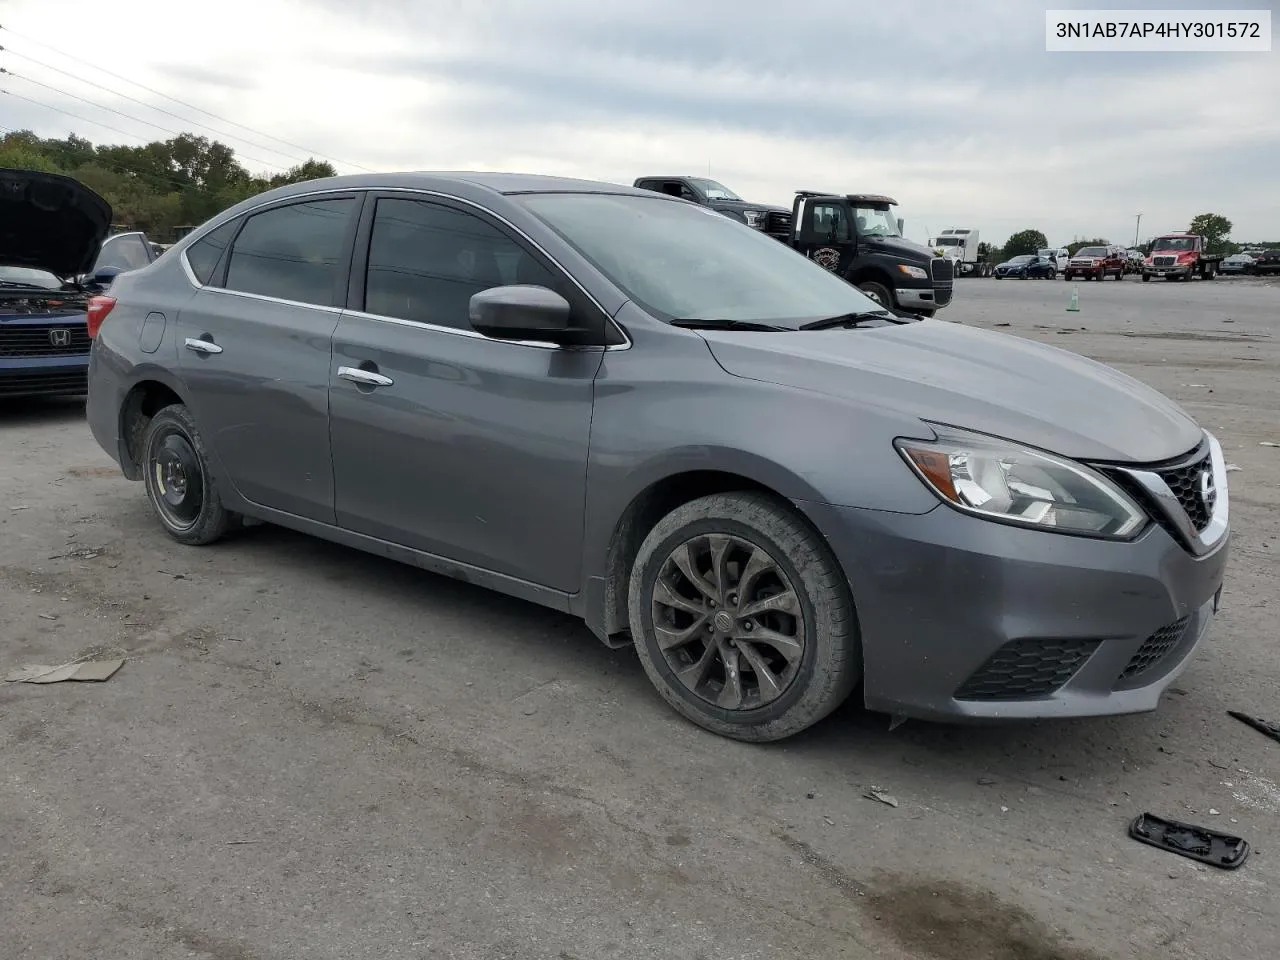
<point x="623" y="406"/>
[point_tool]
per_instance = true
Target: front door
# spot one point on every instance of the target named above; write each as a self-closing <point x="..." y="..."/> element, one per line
<point x="825" y="234"/>
<point x="254" y="348"/>
<point x="444" y="440"/>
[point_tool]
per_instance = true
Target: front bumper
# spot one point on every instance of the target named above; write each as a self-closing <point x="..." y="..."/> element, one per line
<point x="923" y="298"/>
<point x="1177" y="270"/>
<point x="57" y="376"/>
<point x="965" y="618"/>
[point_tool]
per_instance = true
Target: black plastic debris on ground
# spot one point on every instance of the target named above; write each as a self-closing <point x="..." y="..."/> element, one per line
<point x="1187" y="840"/>
<point x="1271" y="730"/>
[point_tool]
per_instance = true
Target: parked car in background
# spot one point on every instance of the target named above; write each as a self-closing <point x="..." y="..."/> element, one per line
<point x="775" y="221"/>
<point x="53" y="227"/>
<point x="624" y="407"/>
<point x="1096" y="263"/>
<point x="1025" y="267"/>
<point x="1238" y="263"/>
<point x="1133" y="261"/>
<point x="1268" y="261"/>
<point x="1058" y="255"/>
<point x="125" y="251"/>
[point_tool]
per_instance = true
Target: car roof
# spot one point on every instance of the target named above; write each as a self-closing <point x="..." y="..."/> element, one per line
<point x="501" y="183"/>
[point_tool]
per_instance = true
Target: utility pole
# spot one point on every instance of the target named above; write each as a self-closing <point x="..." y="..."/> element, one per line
<point x="1135" y="230"/>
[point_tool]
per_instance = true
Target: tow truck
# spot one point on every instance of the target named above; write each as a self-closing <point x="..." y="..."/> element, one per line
<point x="858" y="237"/>
<point x="1181" y="256"/>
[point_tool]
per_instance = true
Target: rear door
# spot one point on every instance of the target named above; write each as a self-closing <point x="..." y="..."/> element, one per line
<point x="444" y="440"/>
<point x="254" y="347"/>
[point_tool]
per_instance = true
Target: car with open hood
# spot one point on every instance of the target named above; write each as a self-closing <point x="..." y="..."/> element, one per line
<point x="637" y="411"/>
<point x="51" y="233"/>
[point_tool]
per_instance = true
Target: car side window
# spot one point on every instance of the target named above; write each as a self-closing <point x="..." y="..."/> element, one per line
<point x="829" y="221"/>
<point x="204" y="254"/>
<point x="292" y="252"/>
<point x="427" y="260"/>
<point x="127" y="252"/>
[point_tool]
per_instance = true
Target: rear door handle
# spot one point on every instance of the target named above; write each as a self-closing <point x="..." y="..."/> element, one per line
<point x="365" y="377"/>
<point x="202" y="346"/>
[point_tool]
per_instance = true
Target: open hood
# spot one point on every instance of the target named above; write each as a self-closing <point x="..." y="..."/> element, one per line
<point x="50" y="222"/>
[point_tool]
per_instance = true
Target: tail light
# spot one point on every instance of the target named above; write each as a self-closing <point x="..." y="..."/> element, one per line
<point x="99" y="307"/>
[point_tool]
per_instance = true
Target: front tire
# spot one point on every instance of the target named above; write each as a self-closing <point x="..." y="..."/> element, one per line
<point x="879" y="293"/>
<point x="178" y="480"/>
<point x="742" y="618"/>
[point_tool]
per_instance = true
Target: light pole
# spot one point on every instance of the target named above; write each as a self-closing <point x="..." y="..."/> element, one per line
<point x="1135" y="230"/>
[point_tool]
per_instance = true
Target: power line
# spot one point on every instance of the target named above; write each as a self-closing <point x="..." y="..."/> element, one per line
<point x="190" y="106"/>
<point x="127" y="116"/>
<point x="76" y="116"/>
<point x="143" y="103"/>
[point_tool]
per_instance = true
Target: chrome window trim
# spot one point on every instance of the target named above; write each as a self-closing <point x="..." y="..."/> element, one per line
<point x="418" y="191"/>
<point x="1219" y="520"/>
<point x="459" y="332"/>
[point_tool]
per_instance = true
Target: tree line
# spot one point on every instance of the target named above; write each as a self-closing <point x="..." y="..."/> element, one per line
<point x="159" y="187"/>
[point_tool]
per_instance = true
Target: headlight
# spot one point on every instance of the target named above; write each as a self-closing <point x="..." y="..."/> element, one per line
<point x="1004" y="481"/>
<point x="754" y="218"/>
<point x="918" y="272"/>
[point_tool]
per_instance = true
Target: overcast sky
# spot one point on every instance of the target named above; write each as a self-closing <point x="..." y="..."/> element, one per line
<point x="954" y="109"/>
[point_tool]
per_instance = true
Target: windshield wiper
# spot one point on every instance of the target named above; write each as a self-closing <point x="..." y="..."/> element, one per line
<point x="849" y="320"/>
<point x="712" y="323"/>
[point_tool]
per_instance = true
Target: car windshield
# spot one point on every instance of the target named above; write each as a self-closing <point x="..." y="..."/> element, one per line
<point x="679" y="261"/>
<point x="1046" y="253"/>
<point x="880" y="221"/>
<point x="1173" y="243"/>
<point x="1025" y="258"/>
<point x="713" y="190"/>
<point x="946" y="241"/>
<point x="1092" y="252"/>
<point x="29" y="277"/>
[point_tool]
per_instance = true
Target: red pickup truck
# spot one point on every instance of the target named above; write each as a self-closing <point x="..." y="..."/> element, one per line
<point x="1096" y="263"/>
<point x="1180" y="256"/>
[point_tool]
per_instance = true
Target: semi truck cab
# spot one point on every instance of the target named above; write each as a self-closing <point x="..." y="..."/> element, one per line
<point x="859" y="237"/>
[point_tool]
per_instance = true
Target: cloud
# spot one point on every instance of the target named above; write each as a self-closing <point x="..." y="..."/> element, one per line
<point x="954" y="109"/>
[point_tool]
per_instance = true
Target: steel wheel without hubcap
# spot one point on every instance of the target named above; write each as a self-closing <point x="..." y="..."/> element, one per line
<point x="178" y="480"/>
<point x="728" y="621"/>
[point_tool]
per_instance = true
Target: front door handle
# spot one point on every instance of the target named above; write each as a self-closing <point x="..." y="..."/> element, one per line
<point x="364" y="377"/>
<point x="202" y="346"/>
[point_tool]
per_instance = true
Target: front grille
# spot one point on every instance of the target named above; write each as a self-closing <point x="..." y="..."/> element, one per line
<point x="778" y="224"/>
<point x="942" y="270"/>
<point x="1027" y="669"/>
<point x="31" y="383"/>
<point x="1164" y="261"/>
<point x="1153" y="650"/>
<point x="1186" y="483"/>
<point x="38" y="341"/>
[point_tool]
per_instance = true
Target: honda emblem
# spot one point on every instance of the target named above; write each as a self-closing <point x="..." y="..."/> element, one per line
<point x="60" y="337"/>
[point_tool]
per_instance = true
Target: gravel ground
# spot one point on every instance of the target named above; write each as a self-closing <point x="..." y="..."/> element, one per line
<point x="315" y="753"/>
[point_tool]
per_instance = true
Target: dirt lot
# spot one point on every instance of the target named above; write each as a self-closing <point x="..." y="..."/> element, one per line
<point x="314" y="753"/>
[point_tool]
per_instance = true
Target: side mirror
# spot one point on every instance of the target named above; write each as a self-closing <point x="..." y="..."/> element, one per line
<point x="524" y="312"/>
<point x="103" y="276"/>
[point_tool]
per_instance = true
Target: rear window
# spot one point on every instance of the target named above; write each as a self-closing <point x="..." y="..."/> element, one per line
<point x="204" y="254"/>
<point x="292" y="252"/>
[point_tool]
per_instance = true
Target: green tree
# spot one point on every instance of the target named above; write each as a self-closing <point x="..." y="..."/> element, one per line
<point x="1024" y="242"/>
<point x="1215" y="228"/>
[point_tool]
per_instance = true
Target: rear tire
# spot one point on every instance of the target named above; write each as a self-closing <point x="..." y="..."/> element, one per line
<point x="768" y="674"/>
<point x="178" y="480"/>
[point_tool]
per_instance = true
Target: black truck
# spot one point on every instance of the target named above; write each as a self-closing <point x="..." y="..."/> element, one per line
<point x="775" y="221"/>
<point x="859" y="237"/>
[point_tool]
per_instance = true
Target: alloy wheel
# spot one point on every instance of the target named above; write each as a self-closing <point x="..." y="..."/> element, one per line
<point x="728" y="621"/>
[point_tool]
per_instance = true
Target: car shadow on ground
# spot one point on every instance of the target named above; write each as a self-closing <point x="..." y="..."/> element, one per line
<point x="1039" y="751"/>
<point x="32" y="411"/>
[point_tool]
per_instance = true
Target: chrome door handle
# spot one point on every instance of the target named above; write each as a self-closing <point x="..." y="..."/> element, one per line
<point x="202" y="346"/>
<point x="366" y="377"/>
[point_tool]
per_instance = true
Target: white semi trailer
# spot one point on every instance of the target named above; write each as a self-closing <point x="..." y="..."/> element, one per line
<point x="960" y="245"/>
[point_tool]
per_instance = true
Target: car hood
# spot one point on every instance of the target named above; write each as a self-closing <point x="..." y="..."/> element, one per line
<point x="907" y="249"/>
<point x="741" y="206"/>
<point x="50" y="222"/>
<point x="993" y="383"/>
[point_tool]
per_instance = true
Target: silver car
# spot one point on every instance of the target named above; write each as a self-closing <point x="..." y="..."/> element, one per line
<point x="624" y="406"/>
